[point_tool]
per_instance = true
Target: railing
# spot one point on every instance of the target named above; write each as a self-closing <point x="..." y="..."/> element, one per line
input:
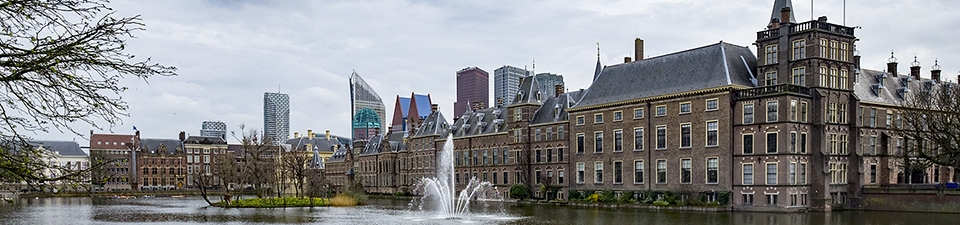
<point x="822" y="26"/>
<point x="771" y="90"/>
<point x="772" y="33"/>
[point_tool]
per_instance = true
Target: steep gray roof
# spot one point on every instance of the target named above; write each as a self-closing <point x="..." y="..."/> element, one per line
<point x="205" y="140"/>
<point x="779" y="5"/>
<point x="374" y="145"/>
<point x="879" y="87"/>
<point x="434" y="124"/>
<point x="396" y="141"/>
<point x="484" y="121"/>
<point x="529" y="88"/>
<point x="555" y="108"/>
<point x="338" y="156"/>
<point x="64" y="148"/>
<point x="710" y="66"/>
<point x="320" y="143"/>
<point x="151" y="145"/>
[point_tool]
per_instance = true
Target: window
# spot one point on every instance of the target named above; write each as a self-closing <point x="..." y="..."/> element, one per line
<point x="873" y="117"/>
<point x="771" y="173"/>
<point x="793" y="142"/>
<point x="516" y="135"/>
<point x="843" y="144"/>
<point x="834" y="144"/>
<point x="476" y="157"/>
<point x="712" y="133"/>
<point x="833" y="50"/>
<point x="713" y="104"/>
<point x="685" y="135"/>
<point x="506" y="157"/>
<point x="485" y="157"/>
<point x="824" y="45"/>
<point x="803" y="111"/>
<point x="772" y="199"/>
<point x="823" y="76"/>
<point x="661" y="171"/>
<point x="638" y="138"/>
<point x="617" y="172"/>
<point x="803" y="143"/>
<point x="792" y="176"/>
<point x="537" y="158"/>
<point x="803" y="173"/>
<point x="685" y="171"/>
<point x="538" y="177"/>
<point x="598" y="142"/>
<point x="833" y="78"/>
<point x="580" y="120"/>
<point x="772" y="111"/>
<point x="493" y="158"/>
<point x="747" y="113"/>
<point x="637" y="113"/>
<point x="843" y="56"/>
<point x="771" y="54"/>
<point x="771" y="143"/>
<point x="598" y="170"/>
<point x="748" y="174"/>
<point x="580" y="143"/>
<point x="799" y="49"/>
<point x="684" y="107"/>
<point x="560" y="176"/>
<point x="494" y="178"/>
<point x="873" y="173"/>
<point x="580" y="167"/>
<point x="748" y="144"/>
<point x="793" y="110"/>
<point x="506" y="177"/>
<point x="770" y="78"/>
<point x="747" y="199"/>
<point x="713" y="170"/>
<point x="618" y="140"/>
<point x="843" y="79"/>
<point x="661" y="137"/>
<point x="889" y="119"/>
<point x="549" y="155"/>
<point x="873" y="146"/>
<point x="799" y="75"/>
<point x="537" y="135"/>
<point x="638" y="172"/>
<point x="617" y="116"/>
<point x="560" y="133"/>
<point x="598" y="118"/>
<point x="661" y="110"/>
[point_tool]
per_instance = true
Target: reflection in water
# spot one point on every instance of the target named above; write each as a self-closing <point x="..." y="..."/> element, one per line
<point x="387" y="211"/>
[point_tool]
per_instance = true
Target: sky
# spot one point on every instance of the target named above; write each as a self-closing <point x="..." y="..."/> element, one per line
<point x="228" y="53"/>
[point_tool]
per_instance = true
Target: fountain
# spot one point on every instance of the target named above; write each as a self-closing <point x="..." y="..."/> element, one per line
<point x="439" y="193"/>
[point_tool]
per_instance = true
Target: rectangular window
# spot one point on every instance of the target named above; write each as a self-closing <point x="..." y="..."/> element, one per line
<point x="803" y="143"/>
<point x="834" y="146"/>
<point x="803" y="173"/>
<point x="560" y="133"/>
<point x="598" y="118"/>
<point x="476" y="157"/>
<point x="771" y="143"/>
<point x="793" y="142"/>
<point x="661" y="171"/>
<point x="617" y="172"/>
<point x="747" y="199"/>
<point x="549" y="155"/>
<point x="537" y="156"/>
<point x="713" y="104"/>
<point x="517" y="135"/>
<point x="873" y="146"/>
<point x="823" y="76"/>
<point x="685" y="135"/>
<point x="493" y="159"/>
<point x="793" y="173"/>
<point x="770" y="54"/>
<point x="793" y="110"/>
<point x="748" y="144"/>
<point x="638" y="172"/>
<point x="747" y="113"/>
<point x="684" y="107"/>
<point x="873" y="117"/>
<point x="494" y="180"/>
<point x="772" y="108"/>
<point x="843" y="52"/>
<point x="598" y="170"/>
<point x="770" y="78"/>
<point x="799" y="49"/>
<point x="843" y="79"/>
<point x="560" y="176"/>
<point x="803" y="111"/>
<point x="832" y="112"/>
<point x="638" y="138"/>
<point x="537" y="135"/>
<point x="580" y="143"/>
<point x="833" y="50"/>
<point x="772" y="199"/>
<point x="685" y="168"/>
<point x="748" y="174"/>
<point x="661" y="110"/>
<point x="799" y="76"/>
<point x="580" y="168"/>
<point x="771" y="173"/>
<point x="580" y="120"/>
<point x="559" y="154"/>
<point x="713" y="170"/>
<point x="843" y="144"/>
<point x="617" y="116"/>
<point x="661" y="137"/>
<point x="637" y="113"/>
<point x="485" y="157"/>
<point x="506" y="156"/>
<point x="598" y="142"/>
<point x="506" y="178"/>
<point x="712" y="133"/>
<point x="873" y="173"/>
<point x="824" y="45"/>
<point x="833" y="77"/>
<point x="618" y="140"/>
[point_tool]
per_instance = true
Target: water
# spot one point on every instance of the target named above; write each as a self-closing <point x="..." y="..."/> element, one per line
<point x="396" y="211"/>
<point x="440" y="198"/>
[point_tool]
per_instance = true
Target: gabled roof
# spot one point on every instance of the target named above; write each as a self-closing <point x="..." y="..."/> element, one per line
<point x="483" y="121"/>
<point x="555" y="108"/>
<point x="151" y="145"/>
<point x="529" y="90"/>
<point x="396" y="141"/>
<point x="205" y="140"/>
<point x="321" y="144"/>
<point x="64" y="148"/>
<point x="423" y="104"/>
<point x="373" y="145"/>
<point x="879" y="87"/>
<point x="434" y="124"/>
<point x="338" y="156"/>
<point x="404" y="105"/>
<point x="778" y="5"/>
<point x="705" y="67"/>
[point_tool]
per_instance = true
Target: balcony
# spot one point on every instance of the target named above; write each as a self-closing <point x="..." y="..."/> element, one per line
<point x="767" y="34"/>
<point x="772" y="90"/>
<point x="821" y="26"/>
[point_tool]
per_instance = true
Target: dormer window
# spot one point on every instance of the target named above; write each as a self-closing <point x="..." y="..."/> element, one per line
<point x="539" y="96"/>
<point x="876" y="89"/>
<point x="556" y="111"/>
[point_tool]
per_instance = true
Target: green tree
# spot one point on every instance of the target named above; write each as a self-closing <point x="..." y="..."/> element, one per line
<point x="61" y="63"/>
<point x="519" y="191"/>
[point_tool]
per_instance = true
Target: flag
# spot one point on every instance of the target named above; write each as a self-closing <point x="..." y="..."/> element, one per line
<point x="134" y="128"/>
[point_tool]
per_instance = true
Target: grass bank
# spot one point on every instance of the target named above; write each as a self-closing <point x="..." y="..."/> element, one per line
<point x="338" y="200"/>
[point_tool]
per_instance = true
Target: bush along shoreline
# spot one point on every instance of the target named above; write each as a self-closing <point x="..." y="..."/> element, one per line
<point x="346" y="199"/>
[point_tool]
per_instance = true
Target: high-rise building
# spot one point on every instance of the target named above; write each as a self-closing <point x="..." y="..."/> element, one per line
<point x="366" y="108"/>
<point x="214" y="129"/>
<point x="276" y="116"/>
<point x="548" y="83"/>
<point x="473" y="89"/>
<point x="506" y="82"/>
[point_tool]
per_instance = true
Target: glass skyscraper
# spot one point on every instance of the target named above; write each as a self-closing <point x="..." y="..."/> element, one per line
<point x="506" y="83"/>
<point x="366" y="108"/>
<point x="276" y="116"/>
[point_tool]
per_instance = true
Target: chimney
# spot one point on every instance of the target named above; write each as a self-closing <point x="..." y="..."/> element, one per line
<point x="774" y="24"/>
<point x="785" y="15"/>
<point x="434" y="108"/>
<point x="892" y="65"/>
<point x="499" y="102"/>
<point x="915" y="69"/>
<point x="310" y="134"/>
<point x="856" y="61"/>
<point x="328" y="134"/>
<point x="638" y="49"/>
<point x="935" y="71"/>
<point x="626" y="59"/>
<point x="183" y="136"/>
<point x="822" y="19"/>
<point x="558" y="89"/>
<point x="296" y="134"/>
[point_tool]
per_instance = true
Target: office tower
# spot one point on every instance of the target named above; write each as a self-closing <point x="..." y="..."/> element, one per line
<point x="214" y="129"/>
<point x="276" y="116"/>
<point x="473" y="90"/>
<point x="506" y="82"/>
<point x="367" y="110"/>
<point x="548" y="83"/>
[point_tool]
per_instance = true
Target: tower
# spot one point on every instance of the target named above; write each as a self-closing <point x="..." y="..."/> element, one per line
<point x="473" y="88"/>
<point x="276" y="116"/>
<point x="506" y="82"/>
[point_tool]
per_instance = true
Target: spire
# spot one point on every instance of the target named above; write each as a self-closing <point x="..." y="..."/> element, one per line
<point x="778" y="5"/>
<point x="596" y="72"/>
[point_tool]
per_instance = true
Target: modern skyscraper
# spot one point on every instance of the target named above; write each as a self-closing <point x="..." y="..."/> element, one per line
<point x="366" y="108"/>
<point x="276" y="116"/>
<point x="473" y="89"/>
<point x="214" y="129"/>
<point x="548" y="83"/>
<point x="506" y="82"/>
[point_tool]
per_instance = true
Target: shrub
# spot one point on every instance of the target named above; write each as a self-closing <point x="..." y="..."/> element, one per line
<point x="627" y="197"/>
<point x="595" y="197"/>
<point x="608" y="196"/>
<point x="574" y="195"/>
<point x="519" y="191"/>
<point x="660" y="203"/>
<point x="274" y="202"/>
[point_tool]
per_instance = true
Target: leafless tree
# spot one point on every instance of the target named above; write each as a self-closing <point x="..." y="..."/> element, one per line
<point x="929" y="121"/>
<point x="61" y="63"/>
<point x="294" y="163"/>
<point x="259" y="165"/>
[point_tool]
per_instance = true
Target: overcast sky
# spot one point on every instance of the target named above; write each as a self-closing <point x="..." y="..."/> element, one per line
<point x="230" y="52"/>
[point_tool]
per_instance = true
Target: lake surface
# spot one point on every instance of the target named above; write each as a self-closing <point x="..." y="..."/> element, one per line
<point x="387" y="211"/>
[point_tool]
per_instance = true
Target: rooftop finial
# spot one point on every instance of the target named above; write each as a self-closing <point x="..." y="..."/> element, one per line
<point x="598" y="50"/>
<point x="936" y="64"/>
<point x="892" y="59"/>
<point x="915" y="62"/>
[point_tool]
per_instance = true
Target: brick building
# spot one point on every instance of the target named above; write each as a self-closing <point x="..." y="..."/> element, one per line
<point x="116" y="150"/>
